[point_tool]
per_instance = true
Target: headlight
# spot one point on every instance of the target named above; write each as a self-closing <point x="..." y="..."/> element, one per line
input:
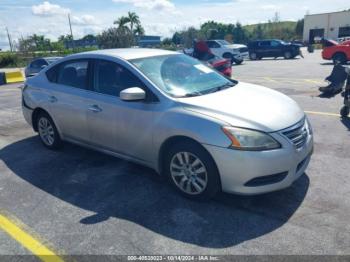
<point x="250" y="140"/>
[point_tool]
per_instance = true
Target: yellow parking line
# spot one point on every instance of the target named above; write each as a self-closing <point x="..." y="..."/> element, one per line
<point x="27" y="241"/>
<point x="322" y="113"/>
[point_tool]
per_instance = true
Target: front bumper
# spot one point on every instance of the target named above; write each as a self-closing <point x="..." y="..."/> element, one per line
<point x="237" y="168"/>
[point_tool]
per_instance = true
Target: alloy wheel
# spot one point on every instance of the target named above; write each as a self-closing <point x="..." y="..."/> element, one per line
<point x="46" y="131"/>
<point x="188" y="173"/>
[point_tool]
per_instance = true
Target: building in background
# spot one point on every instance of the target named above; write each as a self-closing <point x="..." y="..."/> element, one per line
<point x="148" y="41"/>
<point x="329" y="25"/>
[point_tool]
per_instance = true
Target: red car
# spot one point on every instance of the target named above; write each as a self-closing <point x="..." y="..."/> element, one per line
<point x="338" y="52"/>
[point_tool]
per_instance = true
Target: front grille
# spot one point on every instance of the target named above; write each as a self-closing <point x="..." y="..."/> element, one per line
<point x="243" y="50"/>
<point x="297" y="134"/>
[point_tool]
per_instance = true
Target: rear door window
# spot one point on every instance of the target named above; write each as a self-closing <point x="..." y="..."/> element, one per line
<point x="265" y="43"/>
<point x="74" y="74"/>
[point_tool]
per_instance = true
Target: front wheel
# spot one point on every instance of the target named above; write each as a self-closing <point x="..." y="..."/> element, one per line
<point x="339" y="58"/>
<point x="253" y="56"/>
<point x="288" y="55"/>
<point x="192" y="171"/>
<point x="48" y="132"/>
<point x="344" y="112"/>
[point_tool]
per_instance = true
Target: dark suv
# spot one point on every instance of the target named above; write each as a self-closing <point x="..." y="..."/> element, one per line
<point x="272" y="48"/>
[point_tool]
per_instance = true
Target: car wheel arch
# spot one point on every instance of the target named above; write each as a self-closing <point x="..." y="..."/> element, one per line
<point x="169" y="142"/>
<point x="339" y="53"/>
<point x="37" y="111"/>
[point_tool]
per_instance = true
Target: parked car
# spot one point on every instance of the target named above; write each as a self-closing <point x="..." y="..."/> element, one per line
<point x="165" y="110"/>
<point x="343" y="39"/>
<point x="235" y="52"/>
<point x="272" y="48"/>
<point x="338" y="52"/>
<point x="36" y="65"/>
<point x="202" y="52"/>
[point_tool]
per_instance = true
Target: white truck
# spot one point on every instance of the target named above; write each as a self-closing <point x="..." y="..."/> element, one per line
<point x="221" y="48"/>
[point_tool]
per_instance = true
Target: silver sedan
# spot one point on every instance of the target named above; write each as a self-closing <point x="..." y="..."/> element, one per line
<point x="168" y="111"/>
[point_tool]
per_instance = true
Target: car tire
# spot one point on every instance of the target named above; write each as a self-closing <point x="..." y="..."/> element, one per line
<point x="238" y="62"/>
<point x="47" y="131"/>
<point x="192" y="171"/>
<point x="344" y="112"/>
<point x="339" y="57"/>
<point x="288" y="55"/>
<point x="229" y="57"/>
<point x="253" y="56"/>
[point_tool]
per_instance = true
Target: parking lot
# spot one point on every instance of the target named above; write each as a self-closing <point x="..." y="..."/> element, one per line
<point x="80" y="202"/>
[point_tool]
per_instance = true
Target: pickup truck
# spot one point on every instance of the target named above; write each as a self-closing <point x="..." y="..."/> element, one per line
<point x="338" y="52"/>
<point x="235" y="52"/>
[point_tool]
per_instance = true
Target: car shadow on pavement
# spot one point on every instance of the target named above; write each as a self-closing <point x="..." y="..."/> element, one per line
<point x="111" y="187"/>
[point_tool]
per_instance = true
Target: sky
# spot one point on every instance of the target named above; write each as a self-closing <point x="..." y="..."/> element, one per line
<point x="158" y="17"/>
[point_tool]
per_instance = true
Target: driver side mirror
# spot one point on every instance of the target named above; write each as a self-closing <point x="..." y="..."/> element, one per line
<point x="133" y="94"/>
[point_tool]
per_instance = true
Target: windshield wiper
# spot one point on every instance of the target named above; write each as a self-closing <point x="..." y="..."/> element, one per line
<point x="219" y="88"/>
<point x="193" y="94"/>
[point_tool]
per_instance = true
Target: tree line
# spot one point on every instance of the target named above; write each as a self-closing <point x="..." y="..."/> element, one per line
<point x="237" y="33"/>
<point x="124" y="33"/>
<point x="127" y="29"/>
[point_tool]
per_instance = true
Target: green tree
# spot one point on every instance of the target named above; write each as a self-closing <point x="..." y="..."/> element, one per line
<point x="299" y="28"/>
<point x="134" y="19"/>
<point x="139" y="30"/>
<point x="122" y="21"/>
<point x="115" y="38"/>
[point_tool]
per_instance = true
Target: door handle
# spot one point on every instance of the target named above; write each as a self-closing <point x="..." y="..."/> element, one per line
<point x="95" y="108"/>
<point x="52" y="99"/>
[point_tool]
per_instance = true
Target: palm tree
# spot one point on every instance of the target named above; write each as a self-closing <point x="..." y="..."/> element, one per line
<point x="122" y="21"/>
<point x="134" y="19"/>
<point x="139" y="30"/>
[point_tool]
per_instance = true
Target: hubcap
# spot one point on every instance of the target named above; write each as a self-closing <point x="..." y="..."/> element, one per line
<point x="46" y="131"/>
<point x="188" y="173"/>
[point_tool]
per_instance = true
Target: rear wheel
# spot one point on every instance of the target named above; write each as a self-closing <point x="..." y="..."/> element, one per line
<point x="339" y="58"/>
<point x="192" y="171"/>
<point x="48" y="132"/>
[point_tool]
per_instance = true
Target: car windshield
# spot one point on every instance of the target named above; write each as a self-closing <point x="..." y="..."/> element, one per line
<point x="223" y="42"/>
<point x="181" y="76"/>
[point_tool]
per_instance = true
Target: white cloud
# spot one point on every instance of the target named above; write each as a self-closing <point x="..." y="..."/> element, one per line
<point x="48" y="9"/>
<point x="270" y="7"/>
<point x="159" y="5"/>
<point x="84" y="20"/>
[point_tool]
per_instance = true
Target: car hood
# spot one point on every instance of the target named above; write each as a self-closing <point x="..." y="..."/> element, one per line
<point x="249" y="106"/>
<point x="233" y="46"/>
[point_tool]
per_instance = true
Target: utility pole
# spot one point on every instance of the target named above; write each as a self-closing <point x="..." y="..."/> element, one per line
<point x="9" y="38"/>
<point x="71" y="31"/>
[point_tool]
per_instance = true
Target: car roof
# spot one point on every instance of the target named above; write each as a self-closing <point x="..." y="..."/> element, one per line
<point x="131" y="53"/>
